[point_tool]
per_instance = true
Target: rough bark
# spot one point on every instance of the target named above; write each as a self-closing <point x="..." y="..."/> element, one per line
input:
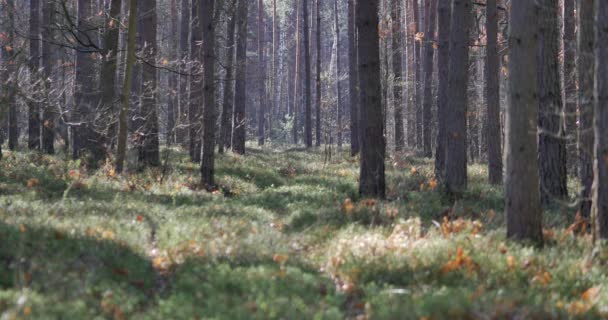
<point x="209" y="109"/>
<point x="307" y="80"/>
<point x="586" y="45"/>
<point x="228" y="103"/>
<point x="522" y="193"/>
<point x="262" y="75"/>
<point x="352" y="80"/>
<point x="396" y="36"/>
<point x="173" y="78"/>
<point x="196" y="85"/>
<point x="417" y="73"/>
<point x="10" y="83"/>
<point x="456" y="113"/>
<point x="184" y="98"/>
<point x="552" y="139"/>
<point x="318" y="74"/>
<point x="600" y="191"/>
<point x="570" y="97"/>
<point x="33" y="127"/>
<point x="429" y="52"/>
<point x="48" y="113"/>
<point x="149" y="151"/>
<point x="296" y="76"/>
<point x="444" y="12"/>
<point x="492" y="126"/>
<point x="371" y="180"/>
<point x="123" y="123"/>
<point x="338" y="74"/>
<point x="240" y="87"/>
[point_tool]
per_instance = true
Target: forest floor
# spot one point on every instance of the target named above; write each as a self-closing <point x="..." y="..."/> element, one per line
<point x="287" y="238"/>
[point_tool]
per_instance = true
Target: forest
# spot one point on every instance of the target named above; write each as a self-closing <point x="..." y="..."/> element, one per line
<point x="303" y="159"/>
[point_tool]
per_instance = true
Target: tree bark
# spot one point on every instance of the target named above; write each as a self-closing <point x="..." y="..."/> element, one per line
<point x="352" y="80"/>
<point x="262" y="75"/>
<point x="586" y="45"/>
<point x="493" y="130"/>
<point x="307" y="80"/>
<point x="240" y="87"/>
<point x="570" y="97"/>
<point x="456" y="113"/>
<point x="600" y="191"/>
<point x="123" y="123"/>
<point x="228" y="103"/>
<point x="196" y="84"/>
<point x="48" y="114"/>
<point x="396" y="36"/>
<point x="444" y="12"/>
<point x="149" y="152"/>
<point x="552" y="139"/>
<point x="429" y="52"/>
<point x="417" y="74"/>
<point x="372" y="180"/>
<point x="522" y="193"/>
<point x="33" y="128"/>
<point x="209" y="109"/>
<point x="10" y="82"/>
<point x="338" y="73"/>
<point x="296" y="75"/>
<point x="173" y="78"/>
<point x="184" y="98"/>
<point x="318" y="73"/>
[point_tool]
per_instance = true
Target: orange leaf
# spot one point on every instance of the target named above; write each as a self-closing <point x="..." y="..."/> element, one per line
<point x="591" y="293"/>
<point x="348" y="206"/>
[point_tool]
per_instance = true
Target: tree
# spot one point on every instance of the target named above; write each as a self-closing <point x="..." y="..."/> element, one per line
<point x="456" y="112"/>
<point x="33" y="128"/>
<point x="184" y="46"/>
<point x="240" y="87"/>
<point x="296" y="76"/>
<point x="569" y="39"/>
<point x="429" y="51"/>
<point x="261" y="74"/>
<point x="209" y="109"/>
<point x="109" y="55"/>
<point x="228" y="103"/>
<point x="85" y="135"/>
<point x="522" y="193"/>
<point x="600" y="191"/>
<point x="398" y="72"/>
<point x="352" y="80"/>
<point x="8" y="77"/>
<point x="173" y="78"/>
<point x="444" y="11"/>
<point x="552" y="140"/>
<point x="318" y="73"/>
<point x="307" y="83"/>
<point x="417" y="73"/>
<point x="48" y="114"/>
<point x="123" y="124"/>
<point x="586" y="45"/>
<point x="338" y="91"/>
<point x="149" y="150"/>
<point x="492" y="91"/>
<point x="371" y="180"/>
<point x="196" y="84"/>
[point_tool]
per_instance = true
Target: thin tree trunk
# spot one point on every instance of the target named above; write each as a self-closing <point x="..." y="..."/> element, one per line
<point x="307" y="78"/>
<point x="209" y="109"/>
<point x="570" y="97"/>
<point x="318" y="73"/>
<point x="493" y="130"/>
<point x="240" y="118"/>
<point x="296" y="75"/>
<point x="522" y="193"/>
<point x="372" y="180"/>
<point x="600" y="194"/>
<point x="228" y="103"/>
<point x="429" y="52"/>
<point x="417" y="74"/>
<point x="338" y="73"/>
<point x="352" y="79"/>
<point x="33" y="128"/>
<point x="552" y="139"/>
<point x="173" y="81"/>
<point x="184" y="98"/>
<point x="261" y="74"/>
<point x="123" y="123"/>
<point x="48" y="115"/>
<point x="586" y="45"/>
<point x="456" y="113"/>
<point x="196" y="84"/>
<point x="10" y="81"/>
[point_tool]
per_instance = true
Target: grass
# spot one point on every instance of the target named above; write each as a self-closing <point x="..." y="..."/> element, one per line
<point x="288" y="239"/>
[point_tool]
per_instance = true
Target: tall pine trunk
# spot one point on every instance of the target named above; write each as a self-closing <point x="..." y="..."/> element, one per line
<point x="33" y="127"/>
<point x="48" y="114"/>
<point x="492" y="126"/>
<point x="228" y="103"/>
<point x="372" y="179"/>
<point x="318" y="75"/>
<point x="209" y="109"/>
<point x="522" y="193"/>
<point x="240" y="87"/>
<point x="353" y="79"/>
<point x="262" y="76"/>
<point x="429" y="52"/>
<point x="196" y="85"/>
<point x="570" y="97"/>
<point x="396" y="36"/>
<point x="307" y="81"/>
<point x="444" y="11"/>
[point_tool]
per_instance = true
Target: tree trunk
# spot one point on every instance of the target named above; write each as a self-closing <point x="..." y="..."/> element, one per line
<point x="48" y="114"/>
<point x="209" y="109"/>
<point x="352" y="80"/>
<point x="123" y="123"/>
<point x="444" y="12"/>
<point x="396" y="36"/>
<point x="552" y="139"/>
<point x="109" y="67"/>
<point x="417" y="73"/>
<point x="184" y="98"/>
<point x="296" y="75"/>
<point x="522" y="193"/>
<point x="372" y="179"/>
<point x="240" y="87"/>
<point x="586" y="45"/>
<point x="196" y="85"/>
<point x="307" y="84"/>
<point x="33" y="128"/>
<point x="600" y="194"/>
<point x="228" y="103"/>
<point x="570" y="83"/>
<point x="338" y="73"/>
<point x="262" y="75"/>
<point x="10" y="81"/>
<point x="173" y="78"/>
<point x="456" y="112"/>
<point x="429" y="53"/>
<point x="149" y="153"/>
<point x="318" y="73"/>
<point x="493" y="130"/>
